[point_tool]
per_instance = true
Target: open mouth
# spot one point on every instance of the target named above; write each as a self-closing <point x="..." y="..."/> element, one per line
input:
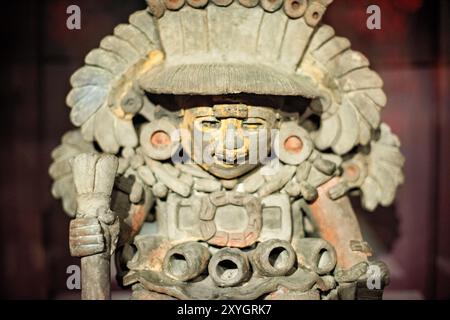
<point x="231" y="159"/>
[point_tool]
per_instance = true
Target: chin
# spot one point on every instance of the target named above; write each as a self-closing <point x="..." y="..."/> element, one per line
<point x="225" y="171"/>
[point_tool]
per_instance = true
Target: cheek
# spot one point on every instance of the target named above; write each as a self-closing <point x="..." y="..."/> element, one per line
<point x="250" y="140"/>
<point x="263" y="136"/>
<point x="258" y="142"/>
<point x="205" y="135"/>
<point x="202" y="140"/>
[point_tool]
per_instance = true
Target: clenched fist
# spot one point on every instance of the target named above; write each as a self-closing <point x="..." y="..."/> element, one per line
<point x="363" y="281"/>
<point x="86" y="237"/>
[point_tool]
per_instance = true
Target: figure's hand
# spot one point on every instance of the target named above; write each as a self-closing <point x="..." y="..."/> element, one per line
<point x="371" y="284"/>
<point x="95" y="228"/>
<point x="86" y="237"/>
<point x="92" y="235"/>
<point x="364" y="281"/>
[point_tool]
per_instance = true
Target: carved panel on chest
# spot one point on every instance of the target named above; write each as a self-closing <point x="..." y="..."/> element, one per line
<point x="228" y="218"/>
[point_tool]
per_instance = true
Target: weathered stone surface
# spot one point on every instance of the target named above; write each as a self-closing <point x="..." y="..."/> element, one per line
<point x="186" y="261"/>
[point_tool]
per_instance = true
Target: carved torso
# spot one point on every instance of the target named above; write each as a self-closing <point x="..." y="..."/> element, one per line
<point x="240" y="214"/>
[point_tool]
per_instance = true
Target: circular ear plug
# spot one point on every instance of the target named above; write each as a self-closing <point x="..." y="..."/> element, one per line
<point x="160" y="139"/>
<point x="293" y="145"/>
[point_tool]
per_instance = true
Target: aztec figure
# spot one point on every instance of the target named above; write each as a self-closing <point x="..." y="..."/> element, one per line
<point x="217" y="144"/>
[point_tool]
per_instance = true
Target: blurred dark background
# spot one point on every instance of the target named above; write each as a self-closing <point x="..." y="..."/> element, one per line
<point x="38" y="55"/>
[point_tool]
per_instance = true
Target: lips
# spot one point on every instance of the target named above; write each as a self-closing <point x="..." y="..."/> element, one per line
<point x="233" y="157"/>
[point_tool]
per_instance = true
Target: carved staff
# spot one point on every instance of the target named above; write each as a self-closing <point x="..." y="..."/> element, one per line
<point x="94" y="176"/>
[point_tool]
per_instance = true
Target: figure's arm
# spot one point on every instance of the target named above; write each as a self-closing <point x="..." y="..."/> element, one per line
<point x="336" y="222"/>
<point x="92" y="235"/>
<point x="130" y="217"/>
<point x="112" y="229"/>
<point x="132" y="202"/>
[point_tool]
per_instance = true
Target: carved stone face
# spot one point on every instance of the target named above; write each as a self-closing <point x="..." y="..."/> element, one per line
<point x="228" y="139"/>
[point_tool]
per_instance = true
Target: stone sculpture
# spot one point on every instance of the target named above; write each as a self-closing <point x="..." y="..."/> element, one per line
<point x="162" y="173"/>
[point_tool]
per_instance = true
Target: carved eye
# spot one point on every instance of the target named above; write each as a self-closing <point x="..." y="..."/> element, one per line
<point x="210" y="124"/>
<point x="252" y="124"/>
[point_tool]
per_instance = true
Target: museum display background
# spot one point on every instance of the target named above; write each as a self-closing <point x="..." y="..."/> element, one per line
<point x="410" y="52"/>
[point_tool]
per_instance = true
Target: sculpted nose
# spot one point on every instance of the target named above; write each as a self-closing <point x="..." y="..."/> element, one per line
<point x="233" y="140"/>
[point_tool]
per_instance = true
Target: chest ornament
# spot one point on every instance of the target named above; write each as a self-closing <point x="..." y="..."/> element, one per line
<point x="228" y="218"/>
